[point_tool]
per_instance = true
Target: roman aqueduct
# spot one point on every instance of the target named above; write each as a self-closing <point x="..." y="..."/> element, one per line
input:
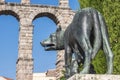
<point x="25" y="13"/>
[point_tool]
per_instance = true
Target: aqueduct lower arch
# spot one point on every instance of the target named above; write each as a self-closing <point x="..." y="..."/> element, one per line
<point x="10" y="12"/>
<point x="49" y="15"/>
<point x="25" y="14"/>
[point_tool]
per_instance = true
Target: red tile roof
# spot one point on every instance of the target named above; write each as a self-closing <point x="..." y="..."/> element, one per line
<point x="5" y="78"/>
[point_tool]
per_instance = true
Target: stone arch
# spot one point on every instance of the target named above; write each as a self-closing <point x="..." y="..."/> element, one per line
<point x="10" y="12"/>
<point x="49" y="15"/>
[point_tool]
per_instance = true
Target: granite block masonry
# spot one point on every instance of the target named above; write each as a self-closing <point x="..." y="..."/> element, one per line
<point x="25" y="13"/>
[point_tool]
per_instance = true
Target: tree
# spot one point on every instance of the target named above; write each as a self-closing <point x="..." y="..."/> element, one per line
<point x="110" y="9"/>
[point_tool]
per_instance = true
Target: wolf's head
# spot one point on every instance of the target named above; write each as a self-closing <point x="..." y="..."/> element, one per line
<point x="55" y="41"/>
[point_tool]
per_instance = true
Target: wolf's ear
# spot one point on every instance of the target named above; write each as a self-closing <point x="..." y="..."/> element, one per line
<point x="59" y="28"/>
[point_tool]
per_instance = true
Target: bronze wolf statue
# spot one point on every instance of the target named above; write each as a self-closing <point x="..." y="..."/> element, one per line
<point x="84" y="37"/>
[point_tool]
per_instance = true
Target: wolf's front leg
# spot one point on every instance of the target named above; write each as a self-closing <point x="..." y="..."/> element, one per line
<point x="68" y="59"/>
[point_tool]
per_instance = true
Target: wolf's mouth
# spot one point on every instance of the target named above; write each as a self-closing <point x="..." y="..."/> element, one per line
<point x="49" y="47"/>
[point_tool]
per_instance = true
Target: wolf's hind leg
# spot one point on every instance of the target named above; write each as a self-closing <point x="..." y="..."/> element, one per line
<point x="109" y="58"/>
<point x="97" y="35"/>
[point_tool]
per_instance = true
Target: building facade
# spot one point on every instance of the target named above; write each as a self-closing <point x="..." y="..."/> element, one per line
<point x="4" y="78"/>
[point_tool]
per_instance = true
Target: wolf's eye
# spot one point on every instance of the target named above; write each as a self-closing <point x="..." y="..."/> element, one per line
<point x="53" y="38"/>
<point x="50" y="36"/>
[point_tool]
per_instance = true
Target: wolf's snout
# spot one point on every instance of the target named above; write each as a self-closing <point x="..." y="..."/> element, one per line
<point x="42" y="44"/>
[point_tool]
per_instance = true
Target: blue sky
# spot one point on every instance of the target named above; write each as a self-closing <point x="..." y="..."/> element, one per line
<point x="9" y="34"/>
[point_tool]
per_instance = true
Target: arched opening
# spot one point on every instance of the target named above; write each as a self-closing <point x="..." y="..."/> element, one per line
<point x="43" y="27"/>
<point x="9" y="12"/>
<point x="8" y="44"/>
<point x="45" y="2"/>
<point x="49" y="15"/>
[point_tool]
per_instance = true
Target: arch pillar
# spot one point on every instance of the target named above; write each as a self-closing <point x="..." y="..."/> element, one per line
<point x="2" y="1"/>
<point x="64" y="20"/>
<point x="25" y="1"/>
<point x="25" y="61"/>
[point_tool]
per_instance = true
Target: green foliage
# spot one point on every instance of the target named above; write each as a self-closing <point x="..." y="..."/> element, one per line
<point x="63" y="77"/>
<point x="110" y="9"/>
<point x="100" y="63"/>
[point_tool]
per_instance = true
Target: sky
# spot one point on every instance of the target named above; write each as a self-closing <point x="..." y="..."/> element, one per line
<point x="9" y="34"/>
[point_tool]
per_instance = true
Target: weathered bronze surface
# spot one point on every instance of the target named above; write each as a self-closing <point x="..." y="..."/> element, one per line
<point x="84" y="37"/>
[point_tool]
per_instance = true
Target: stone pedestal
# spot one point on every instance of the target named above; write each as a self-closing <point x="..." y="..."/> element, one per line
<point x="94" y="77"/>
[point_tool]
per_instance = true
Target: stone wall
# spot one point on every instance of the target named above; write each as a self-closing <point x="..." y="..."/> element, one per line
<point x="42" y="76"/>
